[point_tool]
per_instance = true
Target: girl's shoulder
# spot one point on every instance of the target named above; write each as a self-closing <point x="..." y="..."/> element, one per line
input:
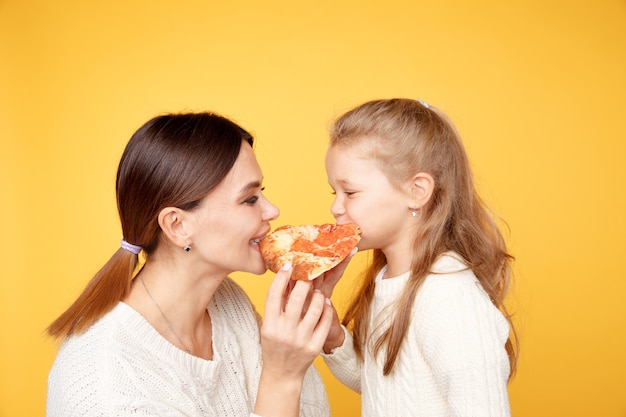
<point x="449" y="263"/>
<point x="452" y="294"/>
<point x="451" y="279"/>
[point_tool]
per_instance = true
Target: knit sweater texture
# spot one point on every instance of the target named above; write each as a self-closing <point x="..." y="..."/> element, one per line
<point x="453" y="362"/>
<point x="121" y="366"/>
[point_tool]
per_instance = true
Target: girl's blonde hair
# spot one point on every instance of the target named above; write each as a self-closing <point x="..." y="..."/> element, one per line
<point x="406" y="137"/>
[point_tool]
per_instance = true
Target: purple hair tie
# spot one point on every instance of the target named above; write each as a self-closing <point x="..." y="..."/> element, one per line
<point x="130" y="247"/>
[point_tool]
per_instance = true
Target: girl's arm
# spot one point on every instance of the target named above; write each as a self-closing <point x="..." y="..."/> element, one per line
<point x="290" y="341"/>
<point x="344" y="363"/>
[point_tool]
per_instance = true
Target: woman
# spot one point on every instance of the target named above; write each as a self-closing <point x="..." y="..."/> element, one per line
<point x="177" y="337"/>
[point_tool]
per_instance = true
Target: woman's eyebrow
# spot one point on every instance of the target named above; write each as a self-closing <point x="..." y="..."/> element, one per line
<point x="249" y="186"/>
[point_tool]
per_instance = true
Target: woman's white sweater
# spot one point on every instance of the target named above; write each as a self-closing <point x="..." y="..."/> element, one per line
<point x="121" y="366"/>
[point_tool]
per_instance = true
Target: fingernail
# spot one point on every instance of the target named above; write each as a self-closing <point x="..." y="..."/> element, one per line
<point x="286" y="267"/>
<point x="328" y="301"/>
<point x="317" y="290"/>
<point x="354" y="251"/>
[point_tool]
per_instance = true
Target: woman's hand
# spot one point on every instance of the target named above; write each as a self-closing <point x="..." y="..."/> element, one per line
<point x="296" y="324"/>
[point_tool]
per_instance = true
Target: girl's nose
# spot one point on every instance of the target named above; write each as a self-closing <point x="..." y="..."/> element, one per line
<point x="337" y="209"/>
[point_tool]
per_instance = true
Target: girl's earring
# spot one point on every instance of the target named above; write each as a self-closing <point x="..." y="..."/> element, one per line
<point x="187" y="248"/>
<point x="415" y="212"/>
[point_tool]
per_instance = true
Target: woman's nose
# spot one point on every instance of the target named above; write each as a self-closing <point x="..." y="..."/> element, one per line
<point x="270" y="212"/>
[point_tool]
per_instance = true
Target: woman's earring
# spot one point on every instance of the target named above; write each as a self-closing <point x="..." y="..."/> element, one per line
<point x="415" y="212"/>
<point x="187" y="248"/>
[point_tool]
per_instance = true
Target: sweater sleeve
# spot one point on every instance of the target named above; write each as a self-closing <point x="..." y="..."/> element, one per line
<point x="344" y="363"/>
<point x="463" y="336"/>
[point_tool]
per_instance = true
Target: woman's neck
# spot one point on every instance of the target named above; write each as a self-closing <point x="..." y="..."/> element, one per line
<point x="175" y="304"/>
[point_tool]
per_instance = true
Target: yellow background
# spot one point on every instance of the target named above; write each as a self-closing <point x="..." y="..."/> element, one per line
<point x="537" y="89"/>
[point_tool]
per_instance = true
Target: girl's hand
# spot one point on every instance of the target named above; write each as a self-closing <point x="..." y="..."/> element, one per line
<point x="291" y="338"/>
<point x="336" y="336"/>
<point x="327" y="281"/>
<point x="326" y="284"/>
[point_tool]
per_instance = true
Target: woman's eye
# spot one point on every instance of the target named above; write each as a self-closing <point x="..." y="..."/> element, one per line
<point x="251" y="200"/>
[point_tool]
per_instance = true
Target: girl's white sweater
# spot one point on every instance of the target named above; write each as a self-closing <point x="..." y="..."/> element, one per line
<point x="453" y="361"/>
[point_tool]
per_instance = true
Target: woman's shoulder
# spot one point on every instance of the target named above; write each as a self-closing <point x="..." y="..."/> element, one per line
<point x="88" y="354"/>
<point x="104" y="334"/>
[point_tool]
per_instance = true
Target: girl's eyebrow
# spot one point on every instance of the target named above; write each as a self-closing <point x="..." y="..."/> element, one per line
<point x="344" y="182"/>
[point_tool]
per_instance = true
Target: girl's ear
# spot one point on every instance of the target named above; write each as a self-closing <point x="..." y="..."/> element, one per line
<point x="171" y="221"/>
<point x="422" y="187"/>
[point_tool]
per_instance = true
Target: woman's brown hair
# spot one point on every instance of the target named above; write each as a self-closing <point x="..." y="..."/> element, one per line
<point x="173" y="160"/>
<point x="406" y="137"/>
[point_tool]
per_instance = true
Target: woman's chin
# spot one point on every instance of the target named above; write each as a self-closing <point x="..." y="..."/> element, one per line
<point x="257" y="266"/>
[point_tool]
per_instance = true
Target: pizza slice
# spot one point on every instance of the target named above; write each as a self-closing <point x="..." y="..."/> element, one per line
<point x="311" y="249"/>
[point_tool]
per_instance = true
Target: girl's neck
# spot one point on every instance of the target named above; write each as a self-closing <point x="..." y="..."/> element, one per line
<point x="399" y="256"/>
<point x="394" y="273"/>
<point x="398" y="262"/>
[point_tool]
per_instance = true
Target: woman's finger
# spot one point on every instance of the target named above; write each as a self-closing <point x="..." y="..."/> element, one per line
<point x="274" y="302"/>
<point x="297" y="299"/>
<point x="315" y="309"/>
<point x="322" y="327"/>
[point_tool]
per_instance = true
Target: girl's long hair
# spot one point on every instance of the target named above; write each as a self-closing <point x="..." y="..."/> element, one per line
<point x="173" y="160"/>
<point x="406" y="137"/>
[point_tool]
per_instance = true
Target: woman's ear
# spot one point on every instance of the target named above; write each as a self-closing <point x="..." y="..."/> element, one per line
<point x="422" y="187"/>
<point x="171" y="221"/>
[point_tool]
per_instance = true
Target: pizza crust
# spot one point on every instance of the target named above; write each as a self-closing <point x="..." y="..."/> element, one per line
<point x="311" y="249"/>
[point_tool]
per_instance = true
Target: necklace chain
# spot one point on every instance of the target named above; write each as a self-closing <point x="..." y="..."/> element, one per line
<point x="169" y="325"/>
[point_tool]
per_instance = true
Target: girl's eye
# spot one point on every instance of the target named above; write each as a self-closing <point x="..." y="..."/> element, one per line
<point x="346" y="193"/>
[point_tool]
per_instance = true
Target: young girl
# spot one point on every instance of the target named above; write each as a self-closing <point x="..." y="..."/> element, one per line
<point x="429" y="334"/>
